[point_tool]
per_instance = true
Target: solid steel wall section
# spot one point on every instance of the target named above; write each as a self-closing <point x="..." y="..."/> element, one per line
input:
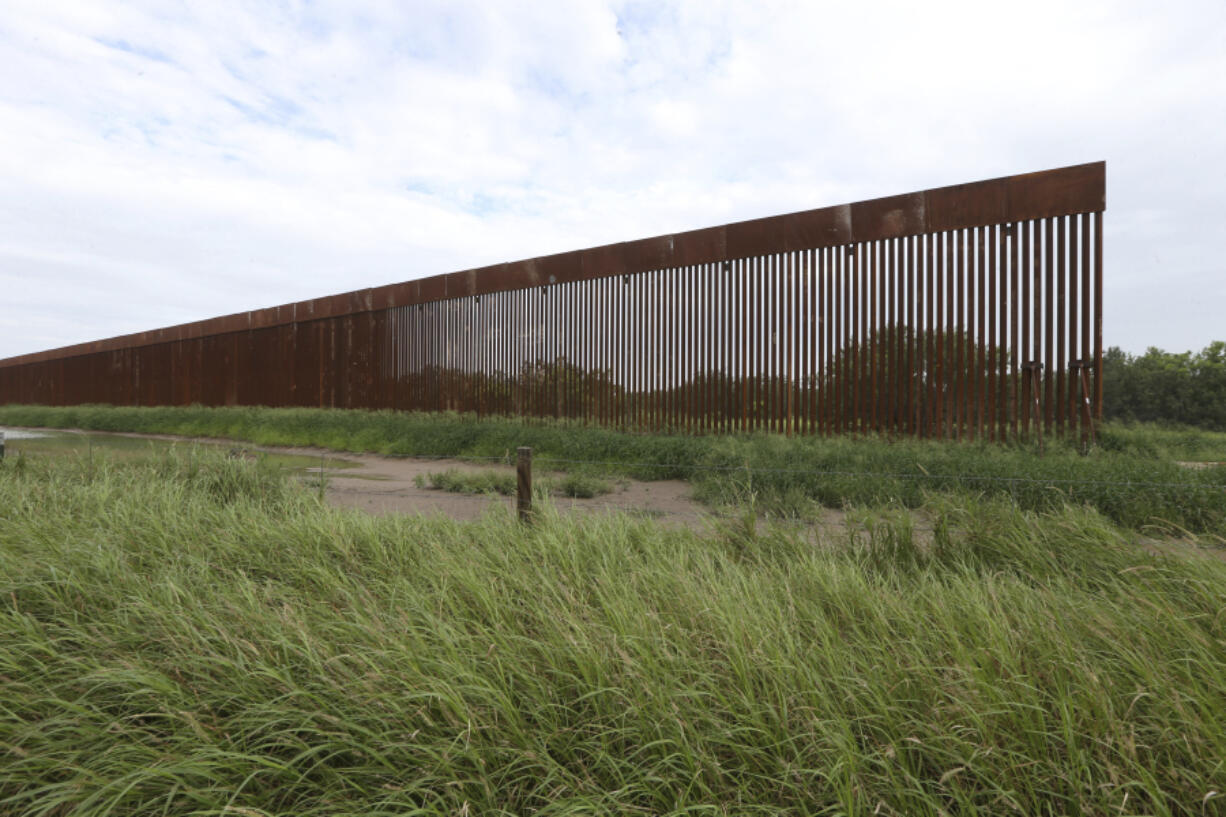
<point x="924" y="314"/>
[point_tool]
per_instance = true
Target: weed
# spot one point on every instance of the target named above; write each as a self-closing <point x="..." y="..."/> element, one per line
<point x="471" y="482"/>
<point x="504" y="483"/>
<point x="578" y="486"/>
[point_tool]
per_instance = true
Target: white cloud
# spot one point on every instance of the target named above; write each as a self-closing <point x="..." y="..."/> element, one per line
<point x="160" y="164"/>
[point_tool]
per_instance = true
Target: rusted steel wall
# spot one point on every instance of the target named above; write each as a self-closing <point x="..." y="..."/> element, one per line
<point x="915" y="315"/>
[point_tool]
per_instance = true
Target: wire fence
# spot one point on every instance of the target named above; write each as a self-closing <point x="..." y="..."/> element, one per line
<point x="1195" y="506"/>
<point x="546" y="461"/>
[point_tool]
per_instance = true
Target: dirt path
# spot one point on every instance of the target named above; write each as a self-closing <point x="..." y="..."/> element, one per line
<point x="383" y="485"/>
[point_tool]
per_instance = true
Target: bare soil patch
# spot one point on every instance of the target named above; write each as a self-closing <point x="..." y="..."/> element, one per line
<point x="382" y="485"/>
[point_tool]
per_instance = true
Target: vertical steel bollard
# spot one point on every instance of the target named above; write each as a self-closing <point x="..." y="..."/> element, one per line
<point x="322" y="484"/>
<point x="1035" y="368"/>
<point x="1087" y="423"/>
<point x="523" y="482"/>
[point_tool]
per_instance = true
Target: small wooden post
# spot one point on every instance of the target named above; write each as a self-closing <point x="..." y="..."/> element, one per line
<point x="523" y="494"/>
<point x="1" y="445"/>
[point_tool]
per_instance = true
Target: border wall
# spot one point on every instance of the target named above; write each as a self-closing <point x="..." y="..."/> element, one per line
<point x="958" y="312"/>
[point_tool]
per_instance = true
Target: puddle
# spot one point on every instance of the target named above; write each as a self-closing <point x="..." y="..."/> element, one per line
<point x="17" y="434"/>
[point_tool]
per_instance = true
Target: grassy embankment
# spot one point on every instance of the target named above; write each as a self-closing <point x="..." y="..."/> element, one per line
<point x="196" y="635"/>
<point x="1133" y="477"/>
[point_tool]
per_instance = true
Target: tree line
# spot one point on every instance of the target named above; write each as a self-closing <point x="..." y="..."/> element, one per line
<point x="1186" y="388"/>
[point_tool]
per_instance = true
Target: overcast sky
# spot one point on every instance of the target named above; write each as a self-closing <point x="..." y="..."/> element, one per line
<point x="161" y="164"/>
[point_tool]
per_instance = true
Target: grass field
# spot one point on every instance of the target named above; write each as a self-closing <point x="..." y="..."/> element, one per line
<point x="1133" y="477"/>
<point x="190" y="633"/>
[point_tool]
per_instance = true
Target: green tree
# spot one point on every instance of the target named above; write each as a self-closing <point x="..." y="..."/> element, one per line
<point x="1187" y="388"/>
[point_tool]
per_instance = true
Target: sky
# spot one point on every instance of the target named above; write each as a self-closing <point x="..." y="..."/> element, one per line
<point x="163" y="162"/>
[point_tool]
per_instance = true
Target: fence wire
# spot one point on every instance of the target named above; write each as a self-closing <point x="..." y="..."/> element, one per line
<point x="545" y="461"/>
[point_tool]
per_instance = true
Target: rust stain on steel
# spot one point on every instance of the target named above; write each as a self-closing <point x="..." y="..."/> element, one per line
<point x="900" y="315"/>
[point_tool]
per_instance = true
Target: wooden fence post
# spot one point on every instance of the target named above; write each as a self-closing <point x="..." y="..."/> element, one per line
<point x="523" y="494"/>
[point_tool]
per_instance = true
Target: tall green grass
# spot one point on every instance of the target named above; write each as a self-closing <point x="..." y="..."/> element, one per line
<point x="1133" y="477"/>
<point x="193" y="635"/>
